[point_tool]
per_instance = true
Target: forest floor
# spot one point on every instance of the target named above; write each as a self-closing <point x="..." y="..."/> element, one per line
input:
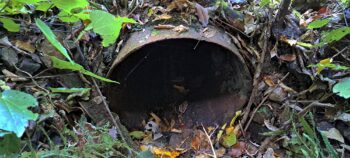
<point x="55" y="56"/>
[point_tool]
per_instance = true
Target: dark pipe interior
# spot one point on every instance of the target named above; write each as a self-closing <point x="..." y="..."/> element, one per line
<point x="148" y="77"/>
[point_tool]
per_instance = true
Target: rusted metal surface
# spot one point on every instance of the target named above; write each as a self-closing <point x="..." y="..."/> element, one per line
<point x="150" y="35"/>
<point x="215" y="103"/>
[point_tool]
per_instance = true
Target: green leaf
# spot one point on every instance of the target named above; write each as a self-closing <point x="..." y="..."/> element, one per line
<point x="307" y="128"/>
<point x="145" y="154"/>
<point x="229" y="140"/>
<point x="64" y="65"/>
<point x="67" y="17"/>
<point x="342" y="88"/>
<point x="10" y="146"/>
<point x="263" y="3"/>
<point x="68" y="6"/>
<point x="107" y="25"/>
<point x="334" y="35"/>
<point x="14" y="113"/>
<point x="137" y="134"/>
<point x="318" y="23"/>
<point x="69" y="90"/>
<point x="52" y="38"/>
<point x="29" y="1"/>
<point x="10" y="25"/>
<point x="329" y="147"/>
<point x="44" y="6"/>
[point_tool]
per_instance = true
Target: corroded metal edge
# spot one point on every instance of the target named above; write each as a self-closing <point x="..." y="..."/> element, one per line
<point x="149" y="35"/>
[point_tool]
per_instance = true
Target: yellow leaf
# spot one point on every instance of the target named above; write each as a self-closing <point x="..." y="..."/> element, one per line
<point x="235" y="117"/>
<point x="161" y="153"/>
<point x="229" y="130"/>
<point x="218" y="136"/>
<point x="323" y="62"/>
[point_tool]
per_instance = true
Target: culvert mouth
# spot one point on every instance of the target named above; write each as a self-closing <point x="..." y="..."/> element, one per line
<point x="182" y="78"/>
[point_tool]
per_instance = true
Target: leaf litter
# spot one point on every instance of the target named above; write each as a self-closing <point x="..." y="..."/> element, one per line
<point x="312" y="47"/>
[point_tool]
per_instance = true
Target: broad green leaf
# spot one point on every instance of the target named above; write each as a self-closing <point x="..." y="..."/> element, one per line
<point x="137" y="134"/>
<point x="10" y="146"/>
<point x="107" y="25"/>
<point x="44" y="6"/>
<point x="318" y="23"/>
<point x="342" y="88"/>
<point x="71" y="18"/>
<point x="334" y="35"/>
<point x="67" y="17"/>
<point x="10" y="25"/>
<point x="29" y="1"/>
<point x="64" y="65"/>
<point x="145" y="154"/>
<point x="52" y="38"/>
<point x="69" y="90"/>
<point x="70" y="5"/>
<point x="14" y="113"/>
<point x="263" y="3"/>
<point x="229" y="140"/>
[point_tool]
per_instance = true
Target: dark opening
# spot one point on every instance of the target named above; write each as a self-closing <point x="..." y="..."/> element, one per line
<point x="162" y="75"/>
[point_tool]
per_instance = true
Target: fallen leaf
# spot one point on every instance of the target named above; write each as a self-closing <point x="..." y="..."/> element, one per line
<point x="269" y="80"/>
<point x="209" y="32"/>
<point x="137" y="134"/>
<point x="342" y="116"/>
<point x="202" y="14"/>
<point x="220" y="152"/>
<point x="237" y="150"/>
<point x="25" y="46"/>
<point x="13" y="77"/>
<point x="199" y="140"/>
<point x="278" y="95"/>
<point x="334" y="134"/>
<point x="287" y="57"/>
<point x="160" y="152"/>
<point x="164" y="16"/>
<point x="269" y="153"/>
<point x="177" y="4"/>
<point x="160" y="26"/>
<point x="180" y="29"/>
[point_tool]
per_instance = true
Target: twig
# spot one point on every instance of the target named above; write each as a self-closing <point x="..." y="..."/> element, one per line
<point x="282" y="12"/>
<point x="263" y="101"/>
<point x="114" y="121"/>
<point x="31" y="77"/>
<point x="257" y="76"/>
<point x="210" y="142"/>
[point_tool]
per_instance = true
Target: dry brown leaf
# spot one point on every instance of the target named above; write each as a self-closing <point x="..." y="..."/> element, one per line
<point x="160" y="26"/>
<point x="220" y="152"/>
<point x="202" y="14"/>
<point x="288" y="57"/>
<point x="27" y="46"/>
<point x="178" y="5"/>
<point x="269" y="80"/>
<point x="237" y="150"/>
<point x="13" y="77"/>
<point x="162" y="17"/>
<point x="199" y="140"/>
<point x="180" y="29"/>
<point x="208" y="32"/>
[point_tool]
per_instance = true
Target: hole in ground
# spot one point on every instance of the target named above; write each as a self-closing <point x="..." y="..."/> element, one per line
<point x="161" y="76"/>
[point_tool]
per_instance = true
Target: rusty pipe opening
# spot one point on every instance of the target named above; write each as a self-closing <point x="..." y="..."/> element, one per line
<point x="160" y="74"/>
